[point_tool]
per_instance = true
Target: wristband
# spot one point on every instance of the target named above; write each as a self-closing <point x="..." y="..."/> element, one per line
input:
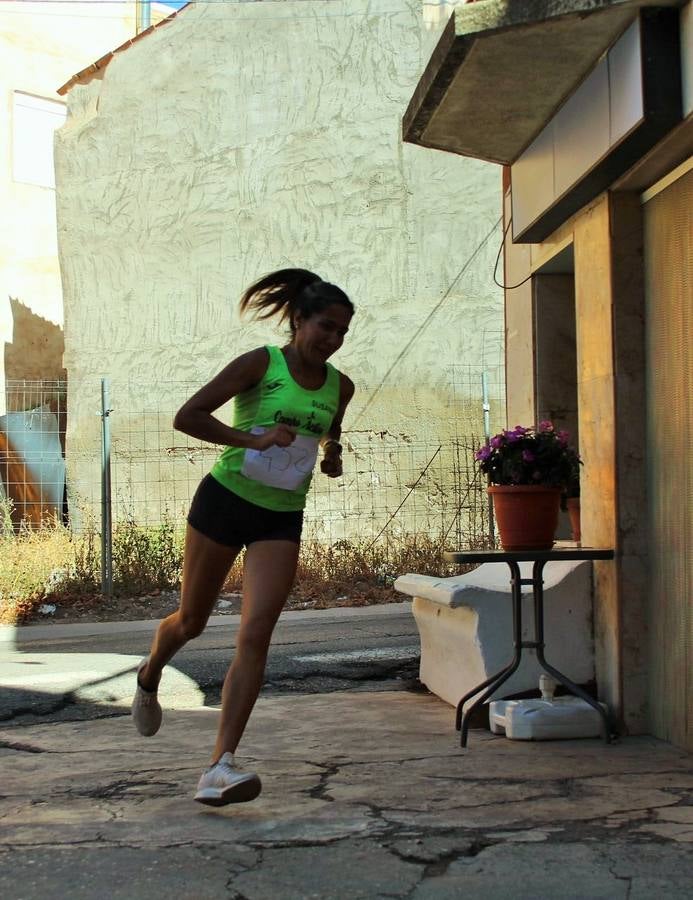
<point x="332" y="445"/>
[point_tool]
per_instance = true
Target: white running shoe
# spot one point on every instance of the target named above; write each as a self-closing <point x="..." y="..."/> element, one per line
<point x="146" y="710"/>
<point x="223" y="783"/>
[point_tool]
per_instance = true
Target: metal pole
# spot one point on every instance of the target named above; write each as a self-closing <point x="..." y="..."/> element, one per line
<point x="106" y="524"/>
<point x="486" y="406"/>
<point x="143" y="15"/>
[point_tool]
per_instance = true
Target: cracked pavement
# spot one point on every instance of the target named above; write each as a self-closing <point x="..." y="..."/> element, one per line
<point x="366" y="795"/>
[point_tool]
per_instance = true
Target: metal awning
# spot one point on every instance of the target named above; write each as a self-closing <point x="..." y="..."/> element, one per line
<point x="503" y="67"/>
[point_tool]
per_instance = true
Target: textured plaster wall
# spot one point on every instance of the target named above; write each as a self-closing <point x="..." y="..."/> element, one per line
<point x="246" y="137"/>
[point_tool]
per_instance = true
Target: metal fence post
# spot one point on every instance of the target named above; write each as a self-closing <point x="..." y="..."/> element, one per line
<point x="486" y="406"/>
<point x="106" y="524"/>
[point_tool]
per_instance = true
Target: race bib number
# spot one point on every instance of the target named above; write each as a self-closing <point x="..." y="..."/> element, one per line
<point x="281" y="467"/>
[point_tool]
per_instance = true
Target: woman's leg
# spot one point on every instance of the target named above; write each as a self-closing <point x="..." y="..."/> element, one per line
<point x="270" y="568"/>
<point x="205" y="567"/>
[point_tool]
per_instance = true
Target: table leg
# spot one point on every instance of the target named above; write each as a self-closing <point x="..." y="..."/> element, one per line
<point x="538" y="581"/>
<point x="495" y="681"/>
<point x="510" y="668"/>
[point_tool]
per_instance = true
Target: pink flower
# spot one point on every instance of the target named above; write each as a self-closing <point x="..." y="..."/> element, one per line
<point x="546" y="425"/>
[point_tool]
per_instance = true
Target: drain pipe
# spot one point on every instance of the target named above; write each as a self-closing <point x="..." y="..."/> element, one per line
<point x="143" y="15"/>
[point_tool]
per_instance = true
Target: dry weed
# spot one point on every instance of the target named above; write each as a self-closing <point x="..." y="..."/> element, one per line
<point x="52" y="565"/>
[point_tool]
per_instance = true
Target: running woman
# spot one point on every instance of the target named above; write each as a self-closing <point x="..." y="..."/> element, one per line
<point x="288" y="403"/>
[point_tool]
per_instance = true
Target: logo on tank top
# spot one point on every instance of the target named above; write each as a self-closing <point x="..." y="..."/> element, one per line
<point x="273" y="386"/>
<point x="325" y="407"/>
<point x="310" y="423"/>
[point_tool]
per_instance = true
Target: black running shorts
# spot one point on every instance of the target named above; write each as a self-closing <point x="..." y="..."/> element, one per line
<point x="228" y="519"/>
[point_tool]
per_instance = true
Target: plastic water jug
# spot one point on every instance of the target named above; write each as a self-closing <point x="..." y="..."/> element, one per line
<point x="547" y="718"/>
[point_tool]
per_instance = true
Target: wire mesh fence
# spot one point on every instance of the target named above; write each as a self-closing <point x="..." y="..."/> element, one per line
<point x="32" y="452"/>
<point x="408" y="463"/>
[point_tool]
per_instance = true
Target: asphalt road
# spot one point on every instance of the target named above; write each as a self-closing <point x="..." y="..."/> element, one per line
<point x="61" y="673"/>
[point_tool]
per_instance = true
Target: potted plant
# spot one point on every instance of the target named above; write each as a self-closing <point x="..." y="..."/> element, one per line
<point x="528" y="470"/>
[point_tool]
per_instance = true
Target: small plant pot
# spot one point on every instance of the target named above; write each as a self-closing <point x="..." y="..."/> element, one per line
<point x="526" y="515"/>
<point x="573" y="504"/>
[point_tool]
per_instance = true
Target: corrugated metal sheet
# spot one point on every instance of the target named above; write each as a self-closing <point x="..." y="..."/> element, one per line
<point x="669" y="297"/>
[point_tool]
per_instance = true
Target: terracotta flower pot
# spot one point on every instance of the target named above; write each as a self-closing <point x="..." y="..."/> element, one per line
<point x="526" y="515"/>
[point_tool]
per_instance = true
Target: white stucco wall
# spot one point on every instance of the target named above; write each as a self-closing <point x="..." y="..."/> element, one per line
<point x="244" y="137"/>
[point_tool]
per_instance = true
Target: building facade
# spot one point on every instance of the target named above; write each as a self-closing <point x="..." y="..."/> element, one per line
<point x="589" y="106"/>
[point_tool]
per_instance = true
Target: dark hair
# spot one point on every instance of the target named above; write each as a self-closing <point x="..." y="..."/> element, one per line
<point x="288" y="291"/>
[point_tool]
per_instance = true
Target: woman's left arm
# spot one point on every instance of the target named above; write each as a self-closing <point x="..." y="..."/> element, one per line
<point x="331" y="463"/>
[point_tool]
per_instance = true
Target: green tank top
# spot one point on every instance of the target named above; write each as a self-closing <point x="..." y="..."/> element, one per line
<point x="278" y="478"/>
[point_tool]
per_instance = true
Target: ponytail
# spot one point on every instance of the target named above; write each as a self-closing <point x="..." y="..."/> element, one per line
<point x="288" y="291"/>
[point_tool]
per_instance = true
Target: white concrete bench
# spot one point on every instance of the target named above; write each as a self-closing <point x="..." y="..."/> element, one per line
<point x="465" y="627"/>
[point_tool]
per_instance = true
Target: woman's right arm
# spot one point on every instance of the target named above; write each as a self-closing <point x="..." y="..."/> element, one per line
<point x="195" y="415"/>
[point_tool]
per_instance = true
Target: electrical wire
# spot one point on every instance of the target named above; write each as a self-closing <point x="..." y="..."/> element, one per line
<point x="400" y="356"/>
<point x="377" y="13"/>
<point x="426" y="321"/>
<point x="470" y="485"/>
<point x="128" y="2"/>
<point x="507" y="287"/>
<point x="411" y="490"/>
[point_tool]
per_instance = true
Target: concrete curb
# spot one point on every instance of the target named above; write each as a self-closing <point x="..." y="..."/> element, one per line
<point x="28" y="633"/>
